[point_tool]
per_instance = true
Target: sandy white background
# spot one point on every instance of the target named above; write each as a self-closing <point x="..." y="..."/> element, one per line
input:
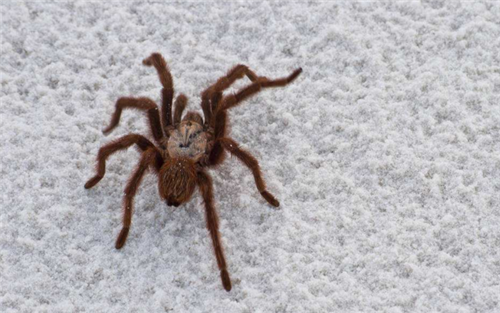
<point x="384" y="154"/>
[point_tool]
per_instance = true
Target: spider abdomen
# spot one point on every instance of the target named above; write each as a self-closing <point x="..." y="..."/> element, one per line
<point x="177" y="180"/>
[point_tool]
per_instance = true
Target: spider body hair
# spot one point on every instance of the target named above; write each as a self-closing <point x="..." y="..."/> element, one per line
<point x="177" y="181"/>
<point x="186" y="146"/>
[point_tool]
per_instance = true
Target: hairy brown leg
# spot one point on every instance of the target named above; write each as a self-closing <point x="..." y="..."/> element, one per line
<point x="180" y="105"/>
<point x="214" y="103"/>
<point x="207" y="111"/>
<point x="116" y="145"/>
<point x="216" y="97"/>
<point x="245" y="157"/>
<point x="143" y="104"/>
<point x="211" y="96"/>
<point x="148" y="157"/>
<point x="215" y="114"/>
<point x="232" y="75"/>
<point x="261" y="82"/>
<point x="167" y="96"/>
<point x="167" y="92"/>
<point x="217" y="155"/>
<point x="212" y="219"/>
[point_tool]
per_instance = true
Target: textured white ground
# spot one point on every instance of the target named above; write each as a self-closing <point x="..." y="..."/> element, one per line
<point x="384" y="154"/>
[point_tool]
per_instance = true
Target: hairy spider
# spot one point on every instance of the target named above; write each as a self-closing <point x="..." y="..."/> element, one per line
<point x="186" y="146"/>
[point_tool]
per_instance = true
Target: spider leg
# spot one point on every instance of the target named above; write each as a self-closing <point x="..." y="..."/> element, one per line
<point x="245" y="157"/>
<point x="143" y="104"/>
<point x="147" y="159"/>
<point x="167" y="92"/>
<point x="261" y="82"/>
<point x="180" y="105"/>
<point x="215" y="153"/>
<point x="116" y="145"/>
<point x="206" y="107"/>
<point x="206" y="190"/>
<point x="215" y="100"/>
<point x="216" y="115"/>
<point x="212" y="95"/>
<point x="225" y="82"/>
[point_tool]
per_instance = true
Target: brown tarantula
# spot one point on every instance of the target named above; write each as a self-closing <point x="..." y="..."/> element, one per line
<point x="186" y="146"/>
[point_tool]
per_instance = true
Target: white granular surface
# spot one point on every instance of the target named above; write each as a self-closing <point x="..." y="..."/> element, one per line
<point x="384" y="153"/>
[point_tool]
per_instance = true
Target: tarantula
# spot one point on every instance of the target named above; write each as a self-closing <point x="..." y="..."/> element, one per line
<point x="185" y="146"/>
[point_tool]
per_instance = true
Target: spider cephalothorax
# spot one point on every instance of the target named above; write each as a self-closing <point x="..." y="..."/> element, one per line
<point x="188" y="141"/>
<point x="186" y="147"/>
